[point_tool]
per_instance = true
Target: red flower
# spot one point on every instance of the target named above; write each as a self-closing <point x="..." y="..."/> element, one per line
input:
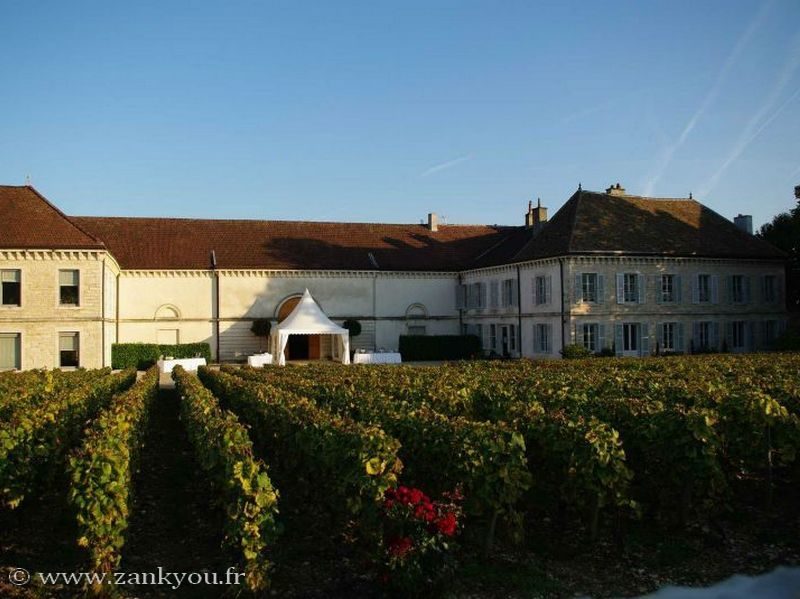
<point x="416" y="496"/>
<point x="447" y="524"/>
<point x="400" y="547"/>
<point x="388" y="503"/>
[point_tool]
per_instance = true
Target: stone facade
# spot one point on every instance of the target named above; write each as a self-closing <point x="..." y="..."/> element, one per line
<point x="745" y="319"/>
<point x="41" y="318"/>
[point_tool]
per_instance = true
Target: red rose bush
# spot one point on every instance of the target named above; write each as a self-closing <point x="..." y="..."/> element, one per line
<point x="419" y="535"/>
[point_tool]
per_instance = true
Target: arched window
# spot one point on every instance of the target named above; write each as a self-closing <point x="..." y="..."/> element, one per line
<point x="167" y="312"/>
<point x="416" y="315"/>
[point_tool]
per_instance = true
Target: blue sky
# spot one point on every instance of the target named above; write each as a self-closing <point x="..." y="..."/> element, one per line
<point x="384" y="111"/>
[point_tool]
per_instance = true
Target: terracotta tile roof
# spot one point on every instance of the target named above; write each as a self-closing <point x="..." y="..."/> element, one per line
<point x="588" y="223"/>
<point x="592" y="223"/>
<point x="31" y="222"/>
<point x="169" y="243"/>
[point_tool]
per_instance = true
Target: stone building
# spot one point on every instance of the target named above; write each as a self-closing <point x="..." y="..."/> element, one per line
<point x="610" y="270"/>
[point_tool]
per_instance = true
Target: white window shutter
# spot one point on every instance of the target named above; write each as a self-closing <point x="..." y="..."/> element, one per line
<point x="696" y="289"/>
<point x="459" y="296"/>
<point x="679" y="337"/>
<point x="548" y="289"/>
<point x="696" y="334"/>
<point x="578" y="288"/>
<point x="640" y="290"/>
<point x="729" y="288"/>
<point x="535" y="338"/>
<point x="549" y="329"/>
<point x="714" y="335"/>
<point x="620" y="288"/>
<point x="601" y="337"/>
<point x="677" y="289"/>
<point x="533" y="287"/>
<point x="714" y="289"/>
<point x="514" y="293"/>
<point x="618" y="342"/>
<point x="644" y="336"/>
<point x="747" y="289"/>
<point x="483" y="295"/>
<point x="779" y="289"/>
<point x="660" y="334"/>
<point x="601" y="288"/>
<point x="729" y="334"/>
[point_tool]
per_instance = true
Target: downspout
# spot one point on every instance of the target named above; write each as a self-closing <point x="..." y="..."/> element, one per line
<point x="116" y="324"/>
<point x="519" y="312"/>
<point x="215" y="309"/>
<point x="563" y="314"/>
<point x="103" y="314"/>
<point x="460" y="311"/>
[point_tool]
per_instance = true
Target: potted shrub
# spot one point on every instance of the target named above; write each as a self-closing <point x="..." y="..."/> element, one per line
<point x="261" y="328"/>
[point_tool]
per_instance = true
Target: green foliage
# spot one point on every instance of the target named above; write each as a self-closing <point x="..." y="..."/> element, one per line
<point x="575" y="351"/>
<point x="342" y="463"/>
<point x="101" y="471"/>
<point x="143" y="355"/>
<point x="421" y="348"/>
<point x="38" y="433"/>
<point x="225" y="451"/>
<point x="353" y="327"/>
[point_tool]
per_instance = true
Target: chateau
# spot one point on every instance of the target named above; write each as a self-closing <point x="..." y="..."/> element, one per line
<point x="610" y="271"/>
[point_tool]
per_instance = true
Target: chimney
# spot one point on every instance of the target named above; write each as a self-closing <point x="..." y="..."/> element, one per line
<point x="536" y="218"/>
<point x="745" y="223"/>
<point x="433" y="222"/>
<point x="616" y="190"/>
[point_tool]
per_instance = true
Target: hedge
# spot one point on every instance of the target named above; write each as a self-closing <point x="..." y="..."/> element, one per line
<point x="439" y="347"/>
<point x="143" y="355"/>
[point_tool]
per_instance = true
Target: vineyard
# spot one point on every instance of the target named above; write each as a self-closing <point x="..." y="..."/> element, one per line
<point x="372" y="479"/>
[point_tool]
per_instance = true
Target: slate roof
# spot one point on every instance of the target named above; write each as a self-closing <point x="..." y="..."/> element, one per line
<point x="600" y="223"/>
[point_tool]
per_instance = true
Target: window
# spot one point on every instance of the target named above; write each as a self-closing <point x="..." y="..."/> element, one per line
<point x="68" y="282"/>
<point x="769" y="289"/>
<point x="668" y="336"/>
<point x="703" y="288"/>
<point x="509" y="292"/>
<point x="416" y="330"/>
<point x="630" y="288"/>
<point x="738" y="289"/>
<point x="630" y="337"/>
<point x="493" y="336"/>
<point x="11" y="288"/>
<point x="542" y="342"/>
<point x="541" y="290"/>
<point x="589" y="337"/>
<point x="589" y="287"/>
<point x="703" y="335"/>
<point x="769" y="331"/>
<point x="737" y="335"/>
<point x="68" y="349"/>
<point x="668" y="288"/>
<point x="10" y="351"/>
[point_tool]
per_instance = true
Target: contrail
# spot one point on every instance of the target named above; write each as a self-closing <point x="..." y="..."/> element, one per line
<point x="759" y="121"/>
<point x="712" y="94"/>
<point x="446" y="165"/>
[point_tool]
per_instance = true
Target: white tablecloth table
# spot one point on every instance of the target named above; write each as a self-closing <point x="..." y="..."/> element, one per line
<point x="259" y="360"/>
<point x="188" y="364"/>
<point x="377" y="358"/>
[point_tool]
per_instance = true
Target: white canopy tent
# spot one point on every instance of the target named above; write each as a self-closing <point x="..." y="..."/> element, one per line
<point x="308" y="319"/>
